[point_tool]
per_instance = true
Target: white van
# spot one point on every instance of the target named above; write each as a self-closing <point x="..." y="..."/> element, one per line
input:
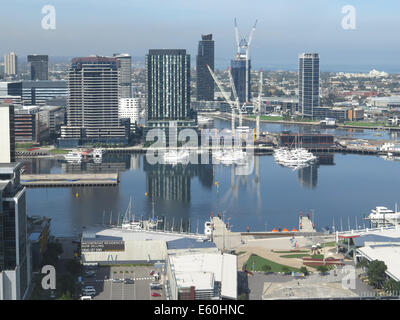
<point x="89" y="292"/>
<point x="85" y="298"/>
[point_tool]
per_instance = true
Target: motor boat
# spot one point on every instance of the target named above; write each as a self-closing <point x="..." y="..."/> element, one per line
<point x="73" y="156"/>
<point x="294" y="158"/>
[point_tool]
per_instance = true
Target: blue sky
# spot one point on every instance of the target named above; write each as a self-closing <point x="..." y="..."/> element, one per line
<point x="285" y="29"/>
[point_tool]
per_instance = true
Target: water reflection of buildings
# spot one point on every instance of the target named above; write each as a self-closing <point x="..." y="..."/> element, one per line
<point x="308" y="176"/>
<point x="110" y="163"/>
<point x="169" y="188"/>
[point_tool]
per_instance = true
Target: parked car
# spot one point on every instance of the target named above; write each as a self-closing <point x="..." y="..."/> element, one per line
<point x="155" y="294"/>
<point x="117" y="280"/>
<point x="129" y="281"/>
<point x="90" y="273"/>
<point x="152" y="272"/>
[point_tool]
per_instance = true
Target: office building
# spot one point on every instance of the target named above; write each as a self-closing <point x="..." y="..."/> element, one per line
<point x="31" y="124"/>
<point x="168" y="90"/>
<point x="92" y="103"/>
<point x="238" y="70"/>
<point x="39" y="66"/>
<point x="308" y="83"/>
<point x="124" y="74"/>
<point x="10" y="64"/>
<point x="15" y="264"/>
<point x="7" y="140"/>
<point x="205" y="56"/>
<point x="129" y="108"/>
<point x="38" y="92"/>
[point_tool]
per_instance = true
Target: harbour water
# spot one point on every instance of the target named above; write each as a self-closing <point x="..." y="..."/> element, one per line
<point x="340" y="189"/>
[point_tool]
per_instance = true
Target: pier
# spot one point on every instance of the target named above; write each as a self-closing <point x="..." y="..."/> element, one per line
<point x="69" y="180"/>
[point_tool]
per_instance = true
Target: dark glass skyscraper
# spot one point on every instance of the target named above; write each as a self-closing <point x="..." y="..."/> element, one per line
<point x="39" y="66"/>
<point x="238" y="70"/>
<point x="308" y="83"/>
<point x="205" y="56"/>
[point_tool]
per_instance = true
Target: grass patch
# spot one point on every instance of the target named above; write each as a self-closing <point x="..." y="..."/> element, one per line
<point x="58" y="151"/>
<point x="317" y="256"/>
<point x="329" y="244"/>
<point x="259" y="262"/>
<point x="24" y="145"/>
<point x="301" y="255"/>
<point x="289" y="251"/>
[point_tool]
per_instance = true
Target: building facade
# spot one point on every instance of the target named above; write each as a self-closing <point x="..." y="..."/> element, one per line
<point x="7" y="134"/>
<point x="38" y="92"/>
<point x="168" y="90"/>
<point x="11" y="64"/>
<point x="15" y="262"/>
<point x="308" y="83"/>
<point x="129" y="108"/>
<point x="125" y="74"/>
<point x="205" y="56"/>
<point x="92" y="103"/>
<point x="39" y="66"/>
<point x="238" y="70"/>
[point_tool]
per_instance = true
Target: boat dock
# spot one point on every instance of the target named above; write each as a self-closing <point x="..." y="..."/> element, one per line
<point x="69" y="180"/>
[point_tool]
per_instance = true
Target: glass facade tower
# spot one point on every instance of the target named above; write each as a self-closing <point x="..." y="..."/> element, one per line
<point x="205" y="56"/>
<point x="308" y="83"/>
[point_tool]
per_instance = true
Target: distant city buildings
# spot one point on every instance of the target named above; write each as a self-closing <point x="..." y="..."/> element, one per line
<point x="10" y="64"/>
<point x="308" y="83"/>
<point x="39" y="66"/>
<point x="168" y="90"/>
<point x="124" y="75"/>
<point x="205" y="56"/>
<point x="92" y="103"/>
<point x="15" y="264"/>
<point x="7" y="140"/>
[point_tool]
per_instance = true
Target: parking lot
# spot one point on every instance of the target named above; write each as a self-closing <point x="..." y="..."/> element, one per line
<point x="110" y="285"/>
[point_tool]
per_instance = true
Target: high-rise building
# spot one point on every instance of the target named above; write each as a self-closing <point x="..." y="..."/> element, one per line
<point x="14" y="247"/>
<point x="238" y="70"/>
<point x="125" y="74"/>
<point x="308" y="83"/>
<point x="39" y="66"/>
<point x="10" y="64"/>
<point x="92" y="103"/>
<point x="168" y="90"/>
<point x="7" y="134"/>
<point x="205" y="56"/>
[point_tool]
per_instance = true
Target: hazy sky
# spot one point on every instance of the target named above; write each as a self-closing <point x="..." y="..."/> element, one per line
<point x="285" y="28"/>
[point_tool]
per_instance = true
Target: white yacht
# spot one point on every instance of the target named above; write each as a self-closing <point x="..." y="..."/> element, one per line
<point x="294" y="158"/>
<point x="73" y="156"/>
<point x="384" y="216"/>
<point x="98" y="154"/>
<point x="175" y="157"/>
<point x="230" y="156"/>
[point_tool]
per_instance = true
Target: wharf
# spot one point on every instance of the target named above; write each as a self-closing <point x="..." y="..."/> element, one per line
<point x="69" y="180"/>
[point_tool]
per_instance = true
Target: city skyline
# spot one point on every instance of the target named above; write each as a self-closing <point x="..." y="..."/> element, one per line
<point x="285" y="29"/>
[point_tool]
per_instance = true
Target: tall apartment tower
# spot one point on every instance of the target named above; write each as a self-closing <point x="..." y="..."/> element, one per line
<point x="39" y="66"/>
<point x="308" y="83"/>
<point x="7" y="133"/>
<point x="205" y="56"/>
<point x="168" y="89"/>
<point x="15" y="262"/>
<point x="92" y="102"/>
<point x="11" y="64"/>
<point x="125" y="75"/>
<point x="238" y="70"/>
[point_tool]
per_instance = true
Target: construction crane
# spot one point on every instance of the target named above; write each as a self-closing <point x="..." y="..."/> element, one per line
<point x="258" y="106"/>
<point x="243" y="52"/>
<point x="231" y="103"/>
<point x="235" y="96"/>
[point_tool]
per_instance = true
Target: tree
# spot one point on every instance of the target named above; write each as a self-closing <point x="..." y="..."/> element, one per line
<point x="285" y="269"/>
<point x="266" y="268"/>
<point x="376" y="273"/>
<point x="392" y="286"/>
<point x="323" y="269"/>
<point x="304" y="270"/>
